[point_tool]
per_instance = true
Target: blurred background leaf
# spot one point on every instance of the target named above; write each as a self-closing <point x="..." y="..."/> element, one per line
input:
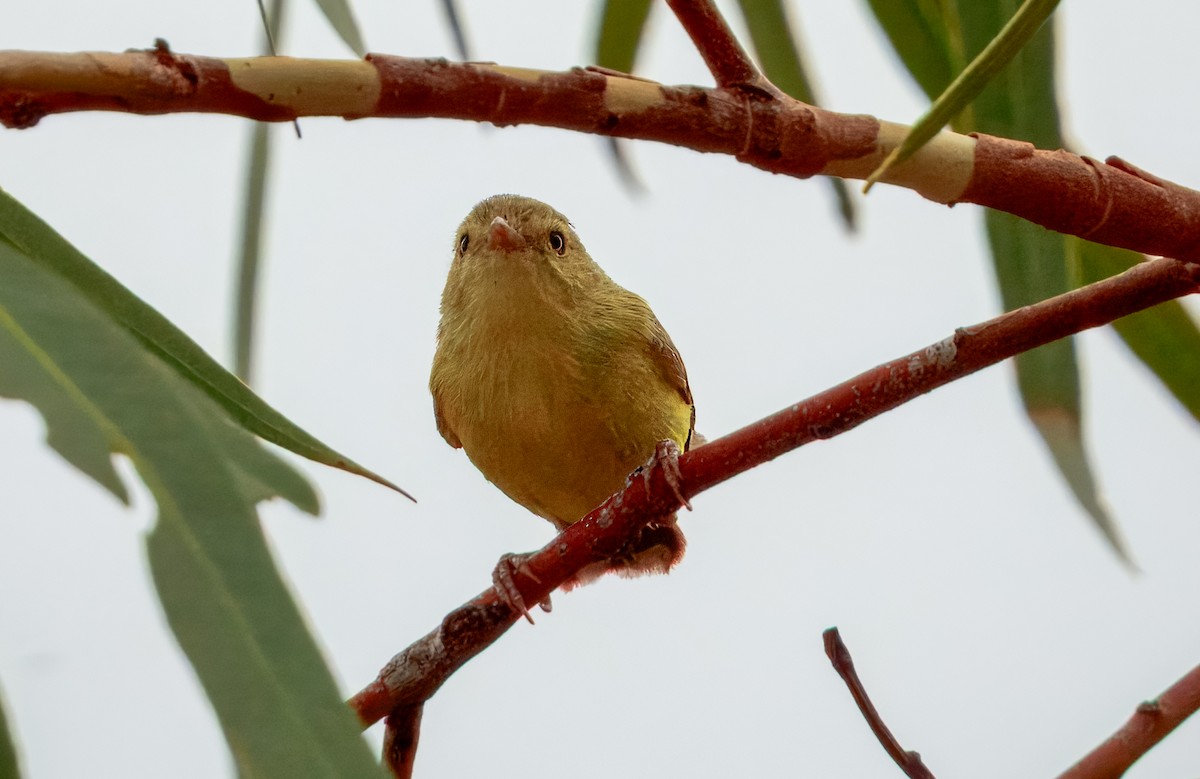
<point x="970" y="81"/>
<point x="249" y="260"/>
<point x="276" y="700"/>
<point x="37" y="240"/>
<point x="341" y="18"/>
<point x="1030" y="262"/>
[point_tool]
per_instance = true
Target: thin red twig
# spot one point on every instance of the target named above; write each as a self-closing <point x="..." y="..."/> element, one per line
<point x="1150" y="724"/>
<point x="400" y="736"/>
<point x="415" y="674"/>
<point x="722" y="53"/>
<point x="909" y="762"/>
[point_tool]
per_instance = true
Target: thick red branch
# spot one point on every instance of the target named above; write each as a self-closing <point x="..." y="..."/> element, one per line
<point x="415" y="674"/>
<point x="1150" y="724"/>
<point x="1112" y="203"/>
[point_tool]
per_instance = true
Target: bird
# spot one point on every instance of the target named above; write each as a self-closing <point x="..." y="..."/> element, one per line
<point x="556" y="381"/>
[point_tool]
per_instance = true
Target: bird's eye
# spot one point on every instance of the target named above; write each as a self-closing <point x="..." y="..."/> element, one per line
<point x="462" y="244"/>
<point x="558" y="243"/>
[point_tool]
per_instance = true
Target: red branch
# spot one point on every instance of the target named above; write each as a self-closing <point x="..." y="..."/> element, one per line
<point x="722" y="53"/>
<point x="400" y="737"/>
<point x="415" y="674"/>
<point x="909" y="762"/>
<point x="1150" y="724"/>
<point x="1112" y="203"/>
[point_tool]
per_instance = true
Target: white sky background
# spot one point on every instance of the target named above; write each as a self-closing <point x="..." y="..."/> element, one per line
<point x="996" y="632"/>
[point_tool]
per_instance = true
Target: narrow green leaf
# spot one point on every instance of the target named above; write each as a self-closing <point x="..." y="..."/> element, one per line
<point x="927" y="37"/>
<point x="38" y="240"/>
<point x="777" y="45"/>
<point x="1020" y="100"/>
<point x="622" y="23"/>
<point x="1064" y="436"/>
<point x="970" y="82"/>
<point x="340" y="15"/>
<point x="1165" y="338"/>
<point x="232" y="614"/>
<point x="9" y="765"/>
<point x="1030" y="261"/>
<point x="250" y="257"/>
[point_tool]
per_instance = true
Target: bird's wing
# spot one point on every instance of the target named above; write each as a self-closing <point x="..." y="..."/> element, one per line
<point x="670" y="364"/>
<point x="443" y="426"/>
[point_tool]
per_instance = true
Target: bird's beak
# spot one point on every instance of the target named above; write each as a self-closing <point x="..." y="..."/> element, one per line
<point x="501" y="235"/>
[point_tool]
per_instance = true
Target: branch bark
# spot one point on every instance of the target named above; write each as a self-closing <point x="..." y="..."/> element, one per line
<point x="1109" y="202"/>
<point x="839" y="655"/>
<point x="415" y="674"/>
<point x="723" y="54"/>
<point x="1150" y="724"/>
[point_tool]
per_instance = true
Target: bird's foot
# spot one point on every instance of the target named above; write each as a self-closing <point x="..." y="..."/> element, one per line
<point x="506" y="588"/>
<point x="666" y="456"/>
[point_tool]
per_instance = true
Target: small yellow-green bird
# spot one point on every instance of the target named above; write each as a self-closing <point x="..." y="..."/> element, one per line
<point x="555" y="380"/>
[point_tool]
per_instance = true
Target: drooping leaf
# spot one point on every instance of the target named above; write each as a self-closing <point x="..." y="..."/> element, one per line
<point x="778" y="47"/>
<point x="967" y="85"/>
<point x="341" y="17"/>
<point x="232" y="614"/>
<point x="250" y="257"/>
<point x="37" y="240"/>
<point x="927" y="37"/>
<point x="1030" y="262"/>
<point x="1165" y="338"/>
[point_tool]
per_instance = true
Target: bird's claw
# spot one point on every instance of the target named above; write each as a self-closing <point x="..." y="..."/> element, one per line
<point x="506" y="587"/>
<point x="666" y="456"/>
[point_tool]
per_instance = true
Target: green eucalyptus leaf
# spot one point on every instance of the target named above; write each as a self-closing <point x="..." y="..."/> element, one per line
<point x="223" y="597"/>
<point x="40" y="242"/>
<point x="622" y="24"/>
<point x="968" y="84"/>
<point x="341" y="17"/>
<point x="1030" y="262"/>
<point x="926" y="36"/>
